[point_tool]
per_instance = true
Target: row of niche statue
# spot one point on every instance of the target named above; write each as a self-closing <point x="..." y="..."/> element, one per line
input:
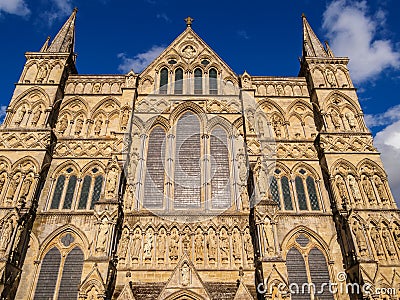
<point x="382" y="238"/>
<point x="334" y="120"/>
<point x="97" y="124"/>
<point x="351" y="185"/>
<point x="6" y="231"/>
<point x="14" y="183"/>
<point x="206" y="245"/>
<point x="24" y="111"/>
<point x="262" y="130"/>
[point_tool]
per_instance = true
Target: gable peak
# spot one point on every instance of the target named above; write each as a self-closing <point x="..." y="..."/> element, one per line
<point x="65" y="38"/>
<point x="312" y="46"/>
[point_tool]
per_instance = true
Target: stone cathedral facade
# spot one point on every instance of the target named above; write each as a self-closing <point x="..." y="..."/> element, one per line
<point x="189" y="181"/>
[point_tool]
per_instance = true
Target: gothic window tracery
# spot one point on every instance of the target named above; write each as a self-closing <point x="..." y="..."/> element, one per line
<point x="71" y="192"/>
<point x="66" y="283"/>
<point x="198" y="81"/>
<point x="306" y="191"/>
<point x="178" y="81"/>
<point x="163" y="81"/>
<point x="213" y="83"/>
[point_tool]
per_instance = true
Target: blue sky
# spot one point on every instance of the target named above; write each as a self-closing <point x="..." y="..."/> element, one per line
<point x="262" y="37"/>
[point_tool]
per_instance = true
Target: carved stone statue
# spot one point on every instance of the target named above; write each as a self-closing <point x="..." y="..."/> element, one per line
<point x="148" y="245"/>
<point x="224" y="246"/>
<point x="3" y="177"/>
<point x="112" y="182"/>
<point x="369" y="190"/>
<point x="277" y="125"/>
<point x="376" y="238"/>
<point x="355" y="191"/>
<point x="268" y="237"/>
<point x="189" y="52"/>
<point x="6" y="233"/>
<point x="388" y="242"/>
<point x="133" y="162"/>
<point x="250" y="119"/>
<point x="351" y="120"/>
<point x="242" y="165"/>
<point x="25" y="188"/>
<point x="280" y="91"/>
<point x="102" y="236"/>
<point x="186" y="242"/>
<point x="13" y="187"/>
<point x="20" y="115"/>
<point x="36" y="115"/>
<point x="262" y="179"/>
<point x="63" y="124"/>
<point x="211" y="246"/>
<point x="185" y="274"/>
<point x="380" y="187"/>
<point x="248" y="245"/>
<point x="124" y="244"/>
<point x="336" y="120"/>
<point x="42" y="73"/>
<point x="174" y="245"/>
<point x="161" y="245"/>
<point x="260" y="127"/>
<point x="136" y="244"/>
<point x="124" y="119"/>
<point x="236" y="246"/>
<point x="341" y="186"/>
<point x="79" y="125"/>
<point x="198" y="246"/>
<point x="245" y="198"/>
<point x="360" y="238"/>
<point x="330" y="77"/>
<point x="97" y="126"/>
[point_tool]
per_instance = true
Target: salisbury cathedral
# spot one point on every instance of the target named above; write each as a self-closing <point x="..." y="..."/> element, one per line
<point x="189" y="181"/>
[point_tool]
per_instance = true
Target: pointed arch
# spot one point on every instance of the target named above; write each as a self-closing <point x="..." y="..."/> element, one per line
<point x="78" y="99"/>
<point x="69" y="163"/>
<point x="222" y="122"/>
<point x="182" y="108"/>
<point x="29" y="92"/>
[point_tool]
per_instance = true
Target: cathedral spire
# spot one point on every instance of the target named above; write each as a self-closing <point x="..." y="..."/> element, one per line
<point x="311" y="44"/>
<point x="65" y="38"/>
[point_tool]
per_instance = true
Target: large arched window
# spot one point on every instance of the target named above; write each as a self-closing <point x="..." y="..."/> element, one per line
<point x="178" y="89"/>
<point x="155" y="174"/>
<point x="198" y="81"/>
<point x="187" y="180"/>
<point x="47" y="281"/>
<point x="307" y="270"/>
<point x="163" y="81"/>
<point x="220" y="183"/>
<point x="213" y="83"/>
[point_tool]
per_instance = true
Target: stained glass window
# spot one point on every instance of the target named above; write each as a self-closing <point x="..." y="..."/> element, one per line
<point x="213" y="82"/>
<point x="98" y="182"/>
<point x="178" y="81"/>
<point x="220" y="184"/>
<point x="287" y="198"/>
<point x="71" y="275"/>
<point x="301" y="195"/>
<point x="198" y="81"/>
<point x="154" y="178"/>
<point x="47" y="281"/>
<point x="58" y="190"/>
<point x="275" y="191"/>
<point x="87" y="181"/>
<point x="164" y="81"/>
<point x="69" y="195"/>
<point x="312" y="193"/>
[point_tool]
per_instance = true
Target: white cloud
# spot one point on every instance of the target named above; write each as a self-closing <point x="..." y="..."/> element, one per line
<point x="388" y="143"/>
<point x="2" y="113"/>
<point x="390" y="116"/>
<point x="15" y="7"/>
<point x="243" y="34"/>
<point x="59" y="9"/>
<point x="353" y="32"/>
<point x="164" y="17"/>
<point x="139" y="61"/>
